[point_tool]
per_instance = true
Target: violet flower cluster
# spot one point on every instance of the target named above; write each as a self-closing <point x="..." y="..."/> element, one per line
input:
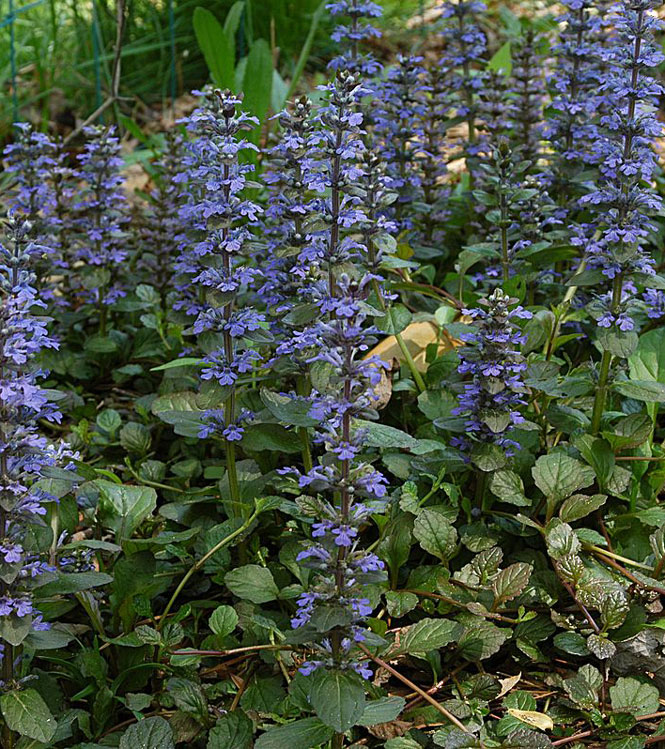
<point x="42" y="192"/>
<point x="525" y="111"/>
<point x="622" y="199"/>
<point x="492" y="398"/>
<point x="31" y="159"/>
<point x="352" y="34"/>
<point x="346" y="488"/>
<point x="24" y="453"/>
<point x="465" y="49"/>
<point x="214" y="264"/>
<point x="100" y="219"/>
<point x="161" y="229"/>
<point x="294" y="182"/>
<point x="575" y="83"/>
<point x="397" y="118"/>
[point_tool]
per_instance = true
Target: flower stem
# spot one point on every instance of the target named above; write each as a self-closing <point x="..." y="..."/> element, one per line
<point x="199" y="563"/>
<point x="410" y="363"/>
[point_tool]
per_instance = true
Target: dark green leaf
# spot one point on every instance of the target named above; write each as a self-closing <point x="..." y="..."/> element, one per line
<point x="223" y="620"/>
<point x="308" y="732"/>
<point x="26" y="713"/>
<point x="435" y="533"/>
<point x="252" y="583"/>
<point x="257" y="84"/>
<point x="382" y="710"/>
<point x="232" y="731"/>
<point x="338" y="698"/>
<point x="218" y="52"/>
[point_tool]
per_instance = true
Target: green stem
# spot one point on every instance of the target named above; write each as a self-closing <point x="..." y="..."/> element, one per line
<point x="198" y="564"/>
<point x="232" y="473"/>
<point x="410" y="363"/>
<point x="601" y="392"/>
<point x="302" y="389"/>
<point x="605" y="365"/>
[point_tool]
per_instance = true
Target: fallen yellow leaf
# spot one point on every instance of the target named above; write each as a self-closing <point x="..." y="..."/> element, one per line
<point x="533" y="718"/>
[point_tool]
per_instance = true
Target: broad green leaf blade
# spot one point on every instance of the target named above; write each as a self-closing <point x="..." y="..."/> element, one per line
<point x="634" y="696"/>
<point x="337" y="698"/>
<point x="223" y="620"/>
<point x="217" y="50"/>
<point x="642" y="390"/>
<point x="26" y="713"/>
<point x="579" y="506"/>
<point x="509" y="583"/>
<point x="436" y="534"/>
<point x="252" y="583"/>
<point x="232" y="20"/>
<point x="557" y="475"/>
<point x="123" y="508"/>
<point x="501" y="61"/>
<point x="232" y="731"/>
<point x="309" y="732"/>
<point x="382" y="710"/>
<point x="149" y="733"/>
<point x="428" y="634"/>
<point x="257" y="85"/>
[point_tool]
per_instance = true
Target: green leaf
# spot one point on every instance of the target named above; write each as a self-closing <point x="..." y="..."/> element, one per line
<point x="232" y="20"/>
<point x="618" y="342"/>
<point x="382" y="710"/>
<point x="149" y="733"/>
<point x="435" y="534"/>
<point x="480" y="638"/>
<point x="395" y="320"/>
<point x="123" y="508"/>
<point x="642" y="390"/>
<point x="395" y="545"/>
<point x="14" y="628"/>
<point x="509" y="487"/>
<point x="384" y="436"/>
<point x="252" y="583"/>
<point x="223" y="620"/>
<point x="501" y="61"/>
<point x="109" y="420"/>
<point x="257" y="84"/>
<point x="309" y="732"/>
<point x="400" y="602"/>
<point x="509" y="583"/>
<point x="290" y="411"/>
<point x="630" y="432"/>
<point x="338" y="698"/>
<point x="272" y="437"/>
<point x="232" y="731"/>
<point x="557" y="475"/>
<point x="600" y="646"/>
<point x="579" y="506"/>
<point x="75" y="582"/>
<point x="634" y="696"/>
<point x="26" y="713"/>
<point x="648" y="361"/>
<point x="185" y="361"/>
<point x="217" y="50"/>
<point x="428" y="634"/>
<point x="599" y="455"/>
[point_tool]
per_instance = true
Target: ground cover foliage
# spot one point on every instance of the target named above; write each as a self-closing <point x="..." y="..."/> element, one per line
<point x="346" y="431"/>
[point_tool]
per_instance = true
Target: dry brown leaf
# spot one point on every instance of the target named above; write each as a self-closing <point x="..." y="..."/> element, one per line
<point x="508" y="684"/>
<point x="390" y="730"/>
<point x="417" y="336"/>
